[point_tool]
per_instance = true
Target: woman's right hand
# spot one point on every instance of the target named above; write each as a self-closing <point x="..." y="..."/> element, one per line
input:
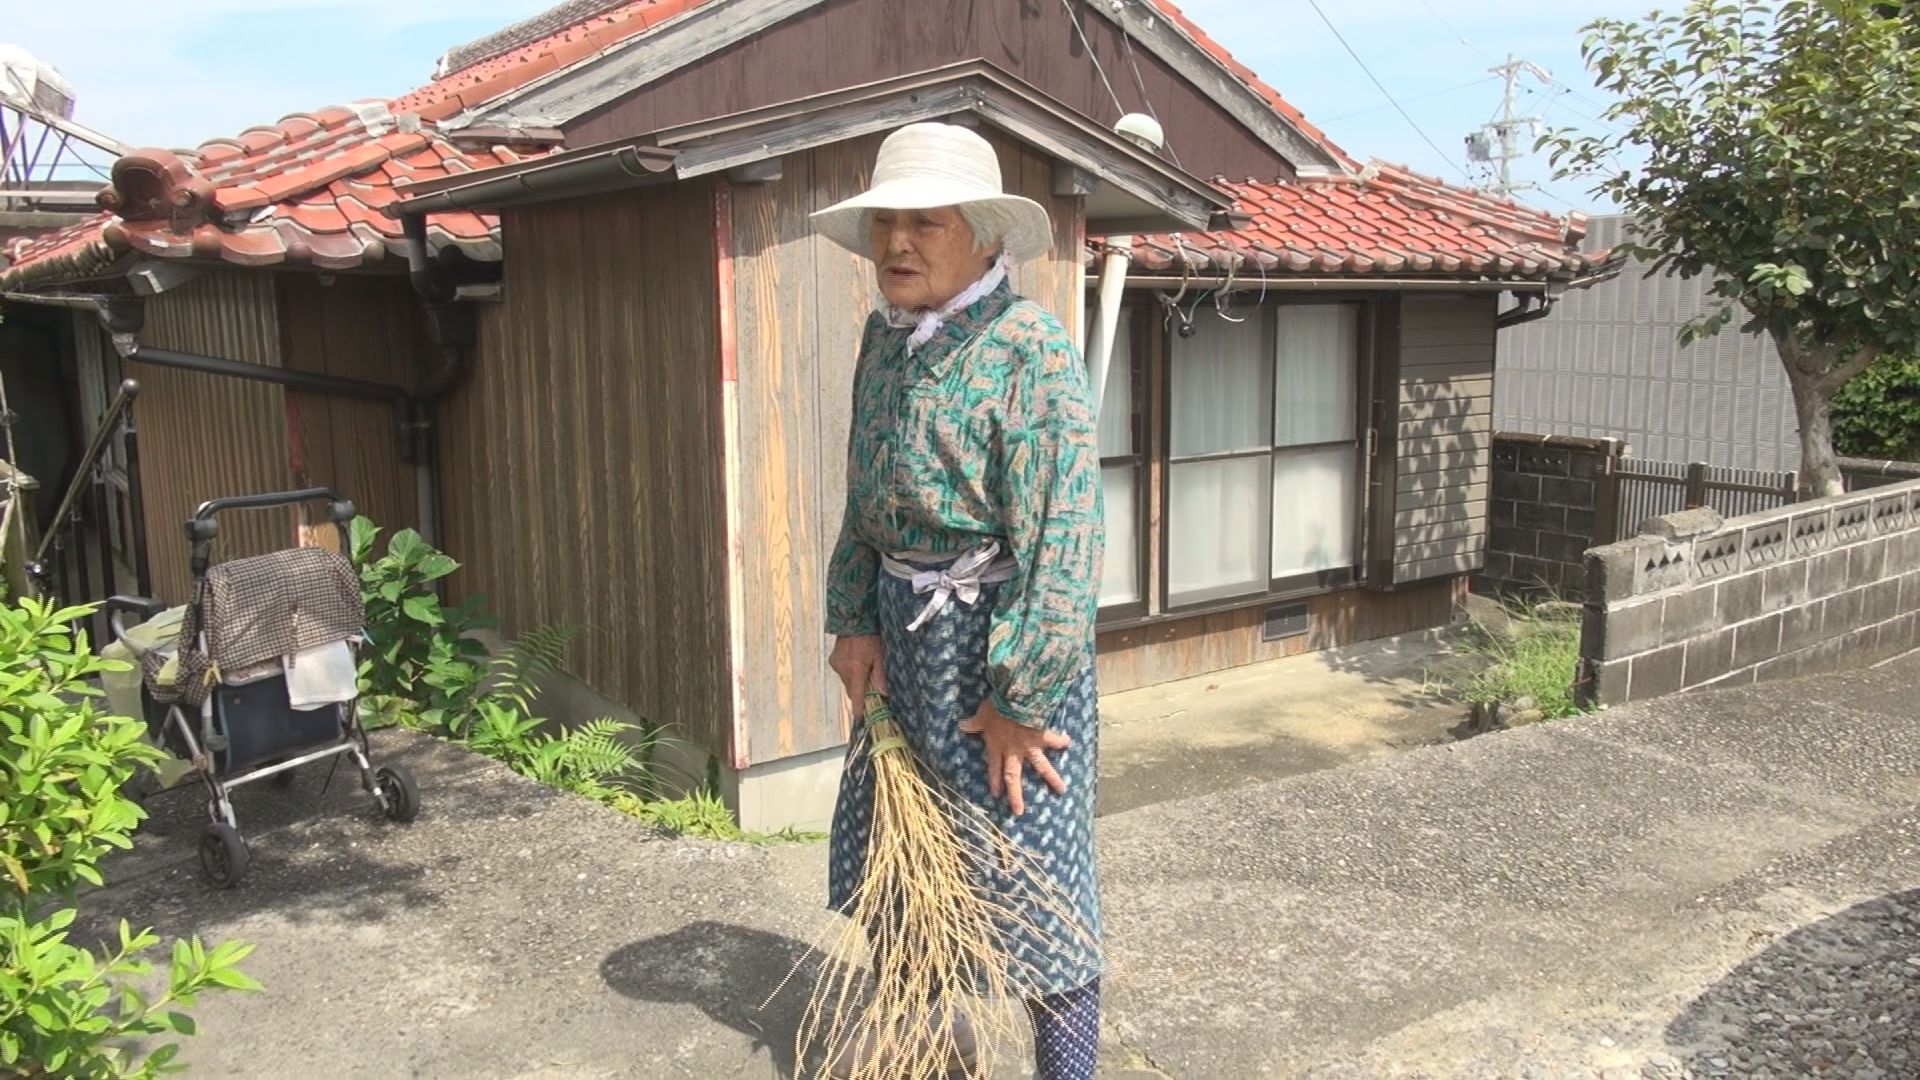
<point x="861" y="664"/>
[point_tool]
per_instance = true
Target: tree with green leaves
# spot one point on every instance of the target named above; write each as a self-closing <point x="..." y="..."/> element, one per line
<point x="1782" y="146"/>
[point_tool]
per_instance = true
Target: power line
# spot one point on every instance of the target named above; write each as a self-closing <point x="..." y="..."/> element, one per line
<point x="1560" y="100"/>
<point x="1315" y="4"/>
<point x="1556" y="196"/>
<point x="1457" y="35"/>
<point x="1577" y="95"/>
<point x="1421" y="97"/>
<point x="1497" y="141"/>
<point x="1126" y="39"/>
<point x="1091" y="55"/>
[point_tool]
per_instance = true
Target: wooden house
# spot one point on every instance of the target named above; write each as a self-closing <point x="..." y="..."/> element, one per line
<point x="597" y="230"/>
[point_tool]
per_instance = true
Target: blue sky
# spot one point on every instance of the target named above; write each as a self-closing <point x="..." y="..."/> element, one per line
<point x="196" y="69"/>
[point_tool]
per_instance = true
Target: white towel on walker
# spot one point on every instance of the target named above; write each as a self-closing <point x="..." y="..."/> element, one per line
<point x="323" y="675"/>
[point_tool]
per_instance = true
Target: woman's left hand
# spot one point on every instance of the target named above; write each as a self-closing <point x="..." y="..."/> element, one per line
<point x="1011" y="749"/>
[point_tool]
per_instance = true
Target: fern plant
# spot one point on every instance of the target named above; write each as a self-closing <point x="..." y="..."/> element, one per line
<point x="513" y="678"/>
<point x="426" y="671"/>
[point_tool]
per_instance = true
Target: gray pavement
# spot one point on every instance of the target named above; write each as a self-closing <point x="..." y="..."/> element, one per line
<point x="1706" y="885"/>
<point x="1263" y="722"/>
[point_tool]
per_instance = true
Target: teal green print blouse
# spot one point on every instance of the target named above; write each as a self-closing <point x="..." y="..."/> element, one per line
<point x="986" y="432"/>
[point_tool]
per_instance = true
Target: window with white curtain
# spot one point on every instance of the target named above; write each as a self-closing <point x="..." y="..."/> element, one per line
<point x="1316" y="433"/>
<point x="1264" y="461"/>
<point x="1122" y="583"/>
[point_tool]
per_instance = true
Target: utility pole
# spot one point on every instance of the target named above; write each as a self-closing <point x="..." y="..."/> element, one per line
<point x="1496" y="143"/>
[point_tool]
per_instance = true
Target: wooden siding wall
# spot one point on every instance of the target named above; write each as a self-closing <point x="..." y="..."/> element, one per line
<point x="1185" y="648"/>
<point x="801" y="304"/>
<point x="205" y="436"/>
<point x="580" y="467"/>
<point x="362" y="328"/>
<point x="1445" y="437"/>
<point x="851" y="42"/>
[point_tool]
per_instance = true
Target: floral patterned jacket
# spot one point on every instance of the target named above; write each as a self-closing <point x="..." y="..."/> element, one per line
<point x="986" y="432"/>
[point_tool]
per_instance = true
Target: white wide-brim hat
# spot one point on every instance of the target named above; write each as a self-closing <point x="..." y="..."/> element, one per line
<point x="924" y="166"/>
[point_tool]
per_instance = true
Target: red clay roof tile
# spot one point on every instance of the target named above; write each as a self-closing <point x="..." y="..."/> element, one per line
<point x="306" y="190"/>
<point x="1388" y="220"/>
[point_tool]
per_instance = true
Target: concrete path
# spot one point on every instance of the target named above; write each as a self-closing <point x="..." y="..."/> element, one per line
<point x="1655" y="892"/>
<point x="1263" y="722"/>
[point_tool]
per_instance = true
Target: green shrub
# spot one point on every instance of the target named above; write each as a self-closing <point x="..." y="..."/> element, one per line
<point x="64" y="1010"/>
<point x="1532" y="657"/>
<point x="1877" y="413"/>
<point x="422" y="660"/>
<point x="61" y="808"/>
<point x="424" y="670"/>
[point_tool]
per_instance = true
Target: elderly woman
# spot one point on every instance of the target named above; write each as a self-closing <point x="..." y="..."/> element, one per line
<point x="964" y="585"/>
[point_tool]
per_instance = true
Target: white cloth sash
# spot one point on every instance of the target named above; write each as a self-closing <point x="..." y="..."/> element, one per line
<point x="961" y="581"/>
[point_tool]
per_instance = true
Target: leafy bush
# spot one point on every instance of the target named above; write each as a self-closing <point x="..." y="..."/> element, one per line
<point x="1877" y="413"/>
<point x="61" y="809"/>
<point x="421" y="656"/>
<point x="64" y="1010"/>
<point x="426" y="671"/>
<point x="1532" y="657"/>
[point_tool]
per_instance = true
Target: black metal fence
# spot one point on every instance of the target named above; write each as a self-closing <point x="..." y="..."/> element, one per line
<point x="1630" y="491"/>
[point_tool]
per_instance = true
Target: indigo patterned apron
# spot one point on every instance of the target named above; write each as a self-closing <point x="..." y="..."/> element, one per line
<point x="934" y="621"/>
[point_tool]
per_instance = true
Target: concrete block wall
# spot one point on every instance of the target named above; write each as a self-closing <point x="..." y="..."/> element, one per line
<point x="1862" y="473"/>
<point x="1542" y="514"/>
<point x="1695" y="600"/>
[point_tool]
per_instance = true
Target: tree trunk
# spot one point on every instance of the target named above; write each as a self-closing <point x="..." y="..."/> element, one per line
<point x="1819" y="465"/>
<point x="1816" y="373"/>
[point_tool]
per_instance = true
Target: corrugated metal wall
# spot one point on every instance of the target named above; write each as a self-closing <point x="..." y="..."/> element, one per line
<point x="801" y="304"/>
<point x="580" y="467"/>
<point x="1608" y="364"/>
<point x="204" y="436"/>
<point x="365" y="328"/>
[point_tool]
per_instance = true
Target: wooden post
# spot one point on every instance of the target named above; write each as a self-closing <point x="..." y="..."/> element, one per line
<point x="1789" y="487"/>
<point x="1696" y="485"/>
<point x="1606" y="502"/>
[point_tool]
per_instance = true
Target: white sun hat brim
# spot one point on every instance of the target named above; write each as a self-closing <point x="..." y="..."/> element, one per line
<point x="926" y="166"/>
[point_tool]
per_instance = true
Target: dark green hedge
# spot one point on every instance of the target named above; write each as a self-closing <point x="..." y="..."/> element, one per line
<point x="1877" y="415"/>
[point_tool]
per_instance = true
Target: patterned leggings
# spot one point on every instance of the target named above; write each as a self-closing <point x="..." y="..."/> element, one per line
<point x="1066" y="1033"/>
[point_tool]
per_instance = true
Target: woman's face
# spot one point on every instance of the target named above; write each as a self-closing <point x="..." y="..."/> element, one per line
<point x="924" y="257"/>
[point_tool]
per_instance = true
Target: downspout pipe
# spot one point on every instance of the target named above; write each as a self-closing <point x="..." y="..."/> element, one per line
<point x="451" y="331"/>
<point x="240" y="369"/>
<point x="427" y="279"/>
<point x="405" y="405"/>
<point x="1113" y="285"/>
<point x="1146" y="132"/>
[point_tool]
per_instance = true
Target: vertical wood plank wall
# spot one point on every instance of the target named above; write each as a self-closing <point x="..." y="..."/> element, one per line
<point x="852" y="42"/>
<point x="205" y="436"/>
<point x="580" y="467"/>
<point x="1445" y="436"/>
<point x="361" y="328"/>
<point x="801" y="305"/>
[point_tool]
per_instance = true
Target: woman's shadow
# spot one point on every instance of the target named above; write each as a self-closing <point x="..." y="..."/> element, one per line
<point x="730" y="973"/>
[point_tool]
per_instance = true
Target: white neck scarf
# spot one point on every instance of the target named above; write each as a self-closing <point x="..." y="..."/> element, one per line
<point x="928" y="323"/>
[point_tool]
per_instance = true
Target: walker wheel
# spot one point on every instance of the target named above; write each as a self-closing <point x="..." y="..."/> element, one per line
<point x="223" y="855"/>
<point x="399" y="795"/>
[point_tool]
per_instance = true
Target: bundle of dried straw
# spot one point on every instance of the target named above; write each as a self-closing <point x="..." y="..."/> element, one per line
<point x="945" y="889"/>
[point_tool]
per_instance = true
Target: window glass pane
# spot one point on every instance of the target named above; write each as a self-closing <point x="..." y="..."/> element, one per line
<point x="1316" y="386"/>
<point x="1316" y="501"/>
<point x="1116" y="405"/>
<point x="1120" y="584"/>
<point x="1217" y="528"/>
<point x="1220" y="380"/>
